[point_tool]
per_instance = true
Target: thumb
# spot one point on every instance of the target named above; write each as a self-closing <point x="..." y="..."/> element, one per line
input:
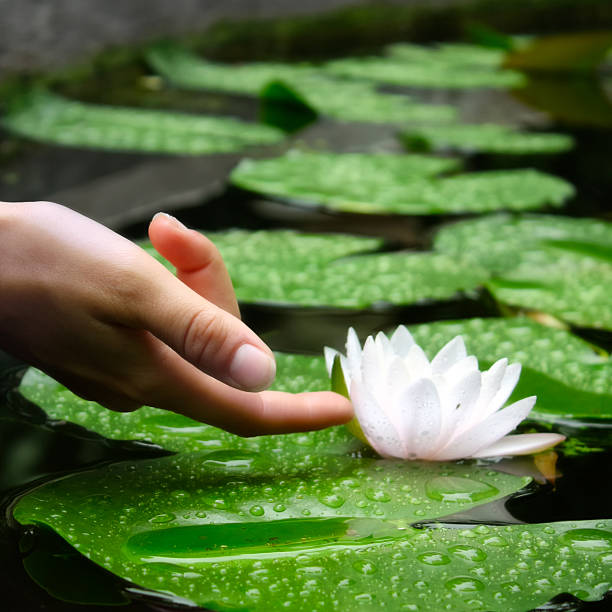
<point x="207" y="336"/>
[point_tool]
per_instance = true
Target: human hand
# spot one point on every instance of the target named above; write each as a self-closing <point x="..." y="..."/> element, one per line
<point x="105" y="319"/>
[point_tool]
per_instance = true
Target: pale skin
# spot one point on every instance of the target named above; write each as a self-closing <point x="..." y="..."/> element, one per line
<point x="100" y="315"/>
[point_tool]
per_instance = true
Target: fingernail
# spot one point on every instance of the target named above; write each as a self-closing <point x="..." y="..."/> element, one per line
<point x="171" y="219"/>
<point x="252" y="369"/>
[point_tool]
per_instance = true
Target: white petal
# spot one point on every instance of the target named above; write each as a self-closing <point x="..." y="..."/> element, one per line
<point x="373" y="370"/>
<point x="375" y="424"/>
<point x="520" y="444"/>
<point x="450" y="354"/>
<point x="488" y="431"/>
<point x="384" y="346"/>
<point x="417" y="363"/>
<point x="491" y="382"/>
<point x="401" y="341"/>
<point x="353" y="354"/>
<point x="461" y="369"/>
<point x="330" y="355"/>
<point x="396" y="383"/>
<point x="511" y="376"/>
<point x="421" y="416"/>
<point x="459" y="406"/>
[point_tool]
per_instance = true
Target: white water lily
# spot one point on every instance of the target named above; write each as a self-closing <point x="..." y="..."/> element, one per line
<point x="410" y="408"/>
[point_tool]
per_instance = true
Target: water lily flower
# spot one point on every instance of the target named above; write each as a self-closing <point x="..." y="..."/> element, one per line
<point x="408" y="407"/>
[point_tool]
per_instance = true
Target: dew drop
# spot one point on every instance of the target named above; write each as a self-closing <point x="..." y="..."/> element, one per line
<point x="459" y="489"/>
<point x="433" y="558"/>
<point x="588" y="540"/>
<point x="464" y="584"/>
<point x="377" y="495"/>
<point x="256" y="510"/>
<point x="365" y="567"/>
<point x="469" y="553"/>
<point x="279" y="508"/>
<point x="165" y="517"/>
<point x="332" y="500"/>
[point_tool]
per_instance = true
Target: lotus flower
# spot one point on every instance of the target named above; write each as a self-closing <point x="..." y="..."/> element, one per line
<point x="410" y="408"/>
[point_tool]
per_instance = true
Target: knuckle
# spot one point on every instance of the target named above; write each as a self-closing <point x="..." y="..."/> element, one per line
<point x="204" y="338"/>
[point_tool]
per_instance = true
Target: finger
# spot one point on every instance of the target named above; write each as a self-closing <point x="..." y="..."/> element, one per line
<point x="207" y="336"/>
<point x="197" y="261"/>
<point x="177" y="386"/>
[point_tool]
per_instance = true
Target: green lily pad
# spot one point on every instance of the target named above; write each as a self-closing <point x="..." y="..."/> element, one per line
<point x="243" y="530"/>
<point x="377" y="184"/>
<point x="41" y="115"/>
<point x="330" y="97"/>
<point x="558" y="265"/>
<point x="461" y="55"/>
<point x="571" y="380"/>
<point x="175" y="432"/>
<point x="285" y="267"/>
<point x="486" y="137"/>
<point x="434" y="73"/>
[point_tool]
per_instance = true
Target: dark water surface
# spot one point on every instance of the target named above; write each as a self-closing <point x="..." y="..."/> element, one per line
<point x="194" y="189"/>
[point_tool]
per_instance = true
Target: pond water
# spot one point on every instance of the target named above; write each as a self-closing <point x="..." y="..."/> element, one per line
<point x="36" y="449"/>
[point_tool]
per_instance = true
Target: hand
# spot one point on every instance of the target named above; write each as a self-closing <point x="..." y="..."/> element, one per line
<point x="105" y="319"/>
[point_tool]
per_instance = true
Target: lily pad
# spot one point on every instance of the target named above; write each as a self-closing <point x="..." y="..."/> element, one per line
<point x="433" y="72"/>
<point x="558" y="265"/>
<point x="41" y="115"/>
<point x="377" y="184"/>
<point x="285" y="267"/>
<point x="331" y="97"/>
<point x="175" y="432"/>
<point x="570" y="379"/>
<point x="462" y="55"/>
<point x="487" y="138"/>
<point x="245" y="530"/>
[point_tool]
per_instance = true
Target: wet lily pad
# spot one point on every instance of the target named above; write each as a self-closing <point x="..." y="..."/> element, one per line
<point x="41" y="115"/>
<point x="558" y="265"/>
<point x="296" y="373"/>
<point x="487" y="138"/>
<point x="570" y="379"/>
<point x="330" y="97"/>
<point x="242" y="530"/>
<point x="433" y="72"/>
<point x="285" y="267"/>
<point x="396" y="184"/>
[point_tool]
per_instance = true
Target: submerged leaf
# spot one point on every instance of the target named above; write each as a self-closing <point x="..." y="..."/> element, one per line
<point x="41" y="115"/>
<point x="366" y="183"/>
<point x="242" y="530"/>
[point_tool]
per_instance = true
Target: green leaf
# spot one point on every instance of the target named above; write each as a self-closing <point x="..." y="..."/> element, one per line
<point x="285" y="267"/>
<point x="434" y="73"/>
<point x="338" y="384"/>
<point x="570" y="379"/>
<point x="41" y="115"/>
<point x="558" y="265"/>
<point x="375" y="184"/>
<point x="330" y="97"/>
<point x="452" y="54"/>
<point x="243" y="530"/>
<point x="175" y="432"/>
<point x="486" y="137"/>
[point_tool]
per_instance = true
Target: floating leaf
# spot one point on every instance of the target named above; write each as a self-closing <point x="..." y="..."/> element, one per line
<point x="570" y="379"/>
<point x="558" y="265"/>
<point x="367" y="183"/>
<point x="486" y="137"/>
<point x="461" y="55"/>
<point x="433" y="72"/>
<point x="241" y="530"/>
<point x="497" y="241"/>
<point x="285" y="267"/>
<point x="175" y="432"/>
<point x="344" y="100"/>
<point x="41" y="115"/>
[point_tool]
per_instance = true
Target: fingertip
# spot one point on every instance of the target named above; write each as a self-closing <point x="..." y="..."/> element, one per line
<point x="331" y="408"/>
